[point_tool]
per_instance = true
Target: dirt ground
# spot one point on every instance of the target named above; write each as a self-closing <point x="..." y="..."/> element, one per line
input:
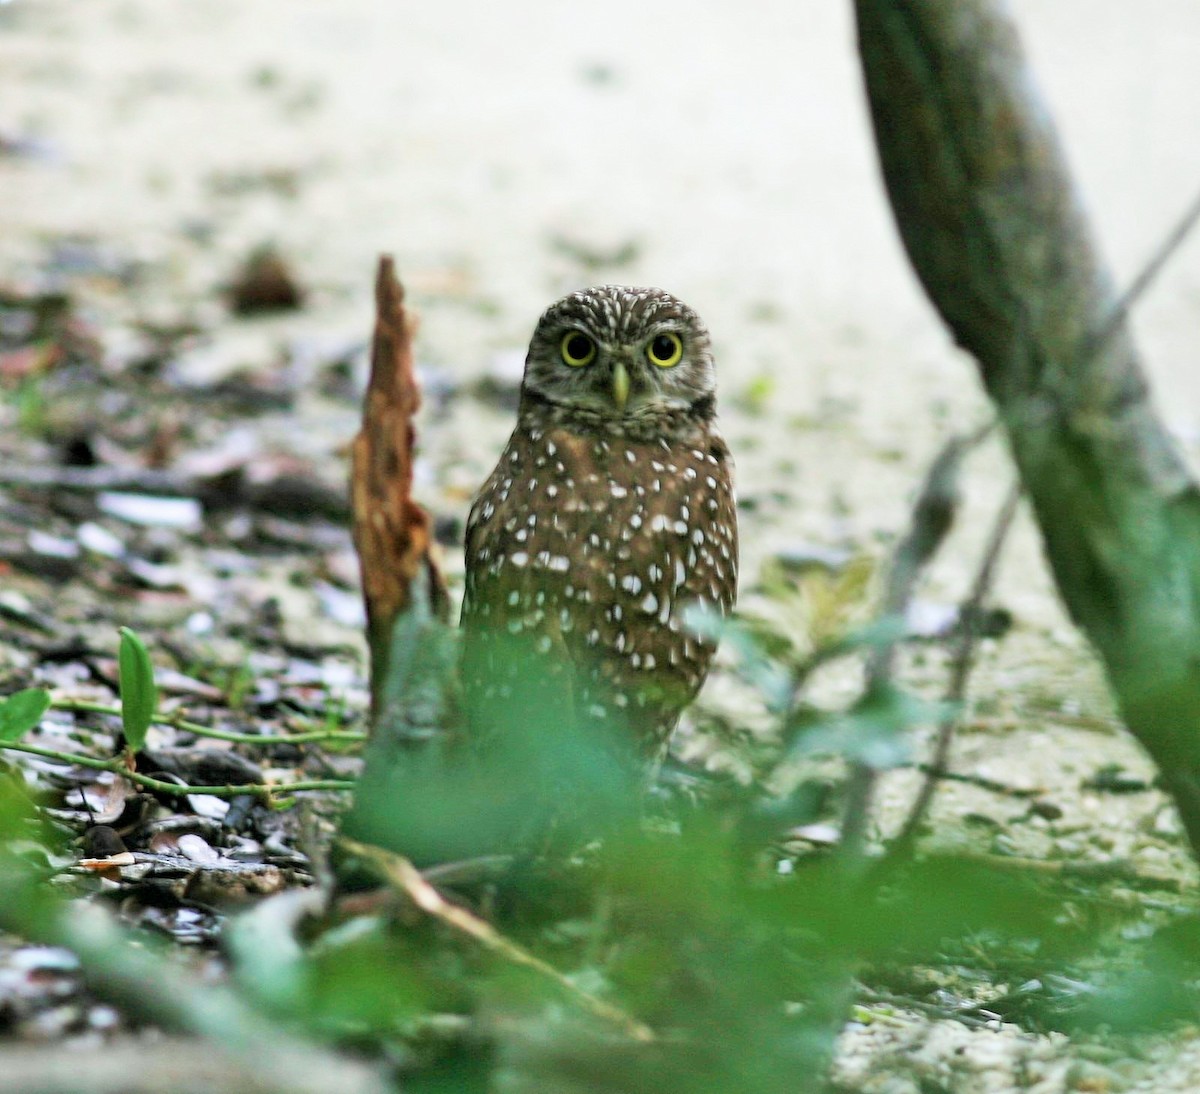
<point x="507" y="153"/>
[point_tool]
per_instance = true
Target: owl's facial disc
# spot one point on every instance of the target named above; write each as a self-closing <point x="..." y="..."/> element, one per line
<point x="620" y="353"/>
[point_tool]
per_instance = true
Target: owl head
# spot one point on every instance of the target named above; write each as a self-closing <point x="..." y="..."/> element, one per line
<point x="619" y="353"/>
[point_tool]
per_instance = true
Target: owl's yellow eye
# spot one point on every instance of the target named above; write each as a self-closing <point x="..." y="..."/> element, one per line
<point x="665" y="350"/>
<point x="577" y="349"/>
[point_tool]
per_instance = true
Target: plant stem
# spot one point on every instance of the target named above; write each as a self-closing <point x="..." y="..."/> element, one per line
<point x="262" y="791"/>
<point x="962" y="662"/>
<point x="84" y="706"/>
<point x="404" y="877"/>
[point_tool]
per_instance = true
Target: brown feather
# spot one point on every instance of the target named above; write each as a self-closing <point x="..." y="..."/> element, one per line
<point x="589" y="542"/>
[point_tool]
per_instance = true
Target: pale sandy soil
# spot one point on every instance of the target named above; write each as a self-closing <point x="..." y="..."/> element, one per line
<point x="489" y="146"/>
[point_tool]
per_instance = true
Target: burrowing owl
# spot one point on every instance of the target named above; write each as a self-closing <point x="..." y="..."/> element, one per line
<point x="610" y="513"/>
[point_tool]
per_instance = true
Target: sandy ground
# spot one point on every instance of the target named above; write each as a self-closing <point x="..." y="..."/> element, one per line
<point x="506" y="153"/>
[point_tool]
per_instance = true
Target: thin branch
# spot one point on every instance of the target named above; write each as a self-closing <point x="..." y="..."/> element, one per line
<point x="84" y="706"/>
<point x="993" y="786"/>
<point x="875" y="996"/>
<point x="960" y="672"/>
<point x="469" y="871"/>
<point x="1149" y="273"/>
<point x="403" y="876"/>
<point x="933" y="515"/>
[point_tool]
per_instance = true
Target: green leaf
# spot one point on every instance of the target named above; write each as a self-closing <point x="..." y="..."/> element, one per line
<point x="874" y="731"/>
<point x="20" y="712"/>
<point x="139" y="696"/>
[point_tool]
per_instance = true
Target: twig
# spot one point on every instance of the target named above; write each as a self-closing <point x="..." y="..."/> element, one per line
<point x="405" y="877"/>
<point x="960" y="672"/>
<point x="1094" y="722"/>
<point x="1118" y="868"/>
<point x="1148" y="274"/>
<point x="84" y="706"/>
<point x="1131" y="887"/>
<point x="981" y="781"/>
<point x="469" y="871"/>
<point x="926" y="1009"/>
<point x="262" y="791"/>
<point x="933" y="515"/>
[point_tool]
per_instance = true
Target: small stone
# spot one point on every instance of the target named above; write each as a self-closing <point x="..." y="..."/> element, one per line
<point x="1045" y="809"/>
<point x="150" y="510"/>
<point x="99" y="540"/>
<point x="198" y="849"/>
<point x="43" y="543"/>
<point x="264" y="283"/>
<point x="825" y="835"/>
<point x="205" y="805"/>
<point x="199" y="624"/>
<point x="341" y="606"/>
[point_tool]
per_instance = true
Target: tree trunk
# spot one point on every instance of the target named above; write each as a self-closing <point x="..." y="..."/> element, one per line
<point x="996" y="233"/>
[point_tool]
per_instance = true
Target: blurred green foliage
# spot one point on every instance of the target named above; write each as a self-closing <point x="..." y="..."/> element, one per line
<point x="692" y="913"/>
<point x="21" y="711"/>
<point x="32" y="406"/>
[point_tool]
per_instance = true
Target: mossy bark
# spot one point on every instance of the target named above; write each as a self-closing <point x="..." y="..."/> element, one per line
<point x="996" y="232"/>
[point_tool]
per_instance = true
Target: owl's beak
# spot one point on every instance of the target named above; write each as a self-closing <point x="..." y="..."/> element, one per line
<point x="620" y="385"/>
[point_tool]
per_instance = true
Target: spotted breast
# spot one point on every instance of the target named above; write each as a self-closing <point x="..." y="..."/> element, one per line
<point x="609" y="516"/>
